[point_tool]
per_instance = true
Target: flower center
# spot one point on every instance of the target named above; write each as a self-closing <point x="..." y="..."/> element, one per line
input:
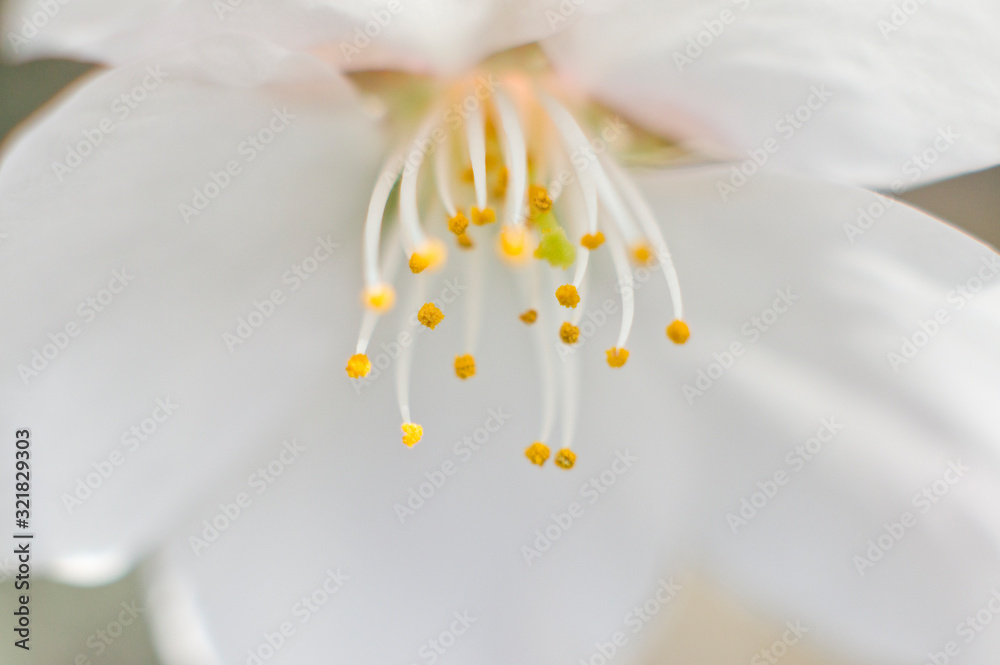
<point x="491" y="163"/>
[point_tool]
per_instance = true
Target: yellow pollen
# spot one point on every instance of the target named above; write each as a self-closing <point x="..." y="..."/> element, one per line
<point x="468" y="175"/>
<point x="539" y="199"/>
<point x="418" y="262"/>
<point x="464" y="241"/>
<point x="569" y="333"/>
<point x="458" y="223"/>
<point x="379" y="297"/>
<point x="537" y="452"/>
<point x="412" y="433"/>
<point x="565" y="458"/>
<point x="482" y="217"/>
<point x="512" y="241"/>
<point x="592" y="240"/>
<point x="529" y="316"/>
<point x="358" y="366"/>
<point x="430" y="255"/>
<point x="617" y="357"/>
<point x="678" y="332"/>
<point x="465" y="366"/>
<point x="642" y="253"/>
<point x="568" y="296"/>
<point x="430" y="315"/>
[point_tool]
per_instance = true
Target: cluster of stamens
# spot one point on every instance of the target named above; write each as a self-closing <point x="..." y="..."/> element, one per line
<point x="500" y="169"/>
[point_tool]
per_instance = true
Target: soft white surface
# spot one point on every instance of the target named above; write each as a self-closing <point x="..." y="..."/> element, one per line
<point x="755" y="61"/>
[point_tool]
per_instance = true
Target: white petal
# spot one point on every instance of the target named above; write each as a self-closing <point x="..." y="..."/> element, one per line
<point x="736" y="74"/>
<point x="444" y="35"/>
<point x="336" y="505"/>
<point x="126" y="305"/>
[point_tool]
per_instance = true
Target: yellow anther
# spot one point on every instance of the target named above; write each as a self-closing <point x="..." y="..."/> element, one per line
<point x="468" y="175"/>
<point x="379" y="297"/>
<point x="537" y="452"/>
<point x="358" y="366"/>
<point x="569" y="333"/>
<point x="482" y="217"/>
<point x="592" y="240"/>
<point x="430" y="315"/>
<point x="418" y="262"/>
<point x="464" y="241"/>
<point x="465" y="366"/>
<point x="568" y="296"/>
<point x="678" y="332"/>
<point x="513" y="241"/>
<point x="412" y="433"/>
<point x="500" y="189"/>
<point x="642" y="253"/>
<point x="539" y="199"/>
<point x="529" y="316"/>
<point x="458" y="223"/>
<point x="565" y="458"/>
<point x="617" y="357"/>
<point x="430" y="255"/>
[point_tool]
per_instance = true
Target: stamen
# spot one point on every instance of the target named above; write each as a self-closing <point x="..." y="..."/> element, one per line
<point x="376" y="210"/>
<point x="358" y="366"/>
<point x="647" y="220"/>
<point x="539" y="200"/>
<point x="529" y="316"/>
<point x="482" y="216"/>
<point x="592" y="240"/>
<point x="577" y="143"/>
<point x="475" y="136"/>
<point x="425" y="252"/>
<point x="569" y="333"/>
<point x="465" y="366"/>
<point x="412" y="433"/>
<point x="465" y="241"/>
<point x="565" y="458"/>
<point x="390" y="266"/>
<point x="513" y="242"/>
<point x="617" y="356"/>
<point x="537" y="452"/>
<point x="430" y="255"/>
<point x="458" y="223"/>
<point x="625" y="287"/>
<point x="515" y="157"/>
<point x="430" y="315"/>
<point x="678" y="332"/>
<point x="379" y="297"/>
<point x="442" y="170"/>
<point x="568" y="296"/>
<point x="474" y="266"/>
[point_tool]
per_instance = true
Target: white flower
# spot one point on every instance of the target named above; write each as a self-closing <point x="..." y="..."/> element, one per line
<point x="838" y="388"/>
